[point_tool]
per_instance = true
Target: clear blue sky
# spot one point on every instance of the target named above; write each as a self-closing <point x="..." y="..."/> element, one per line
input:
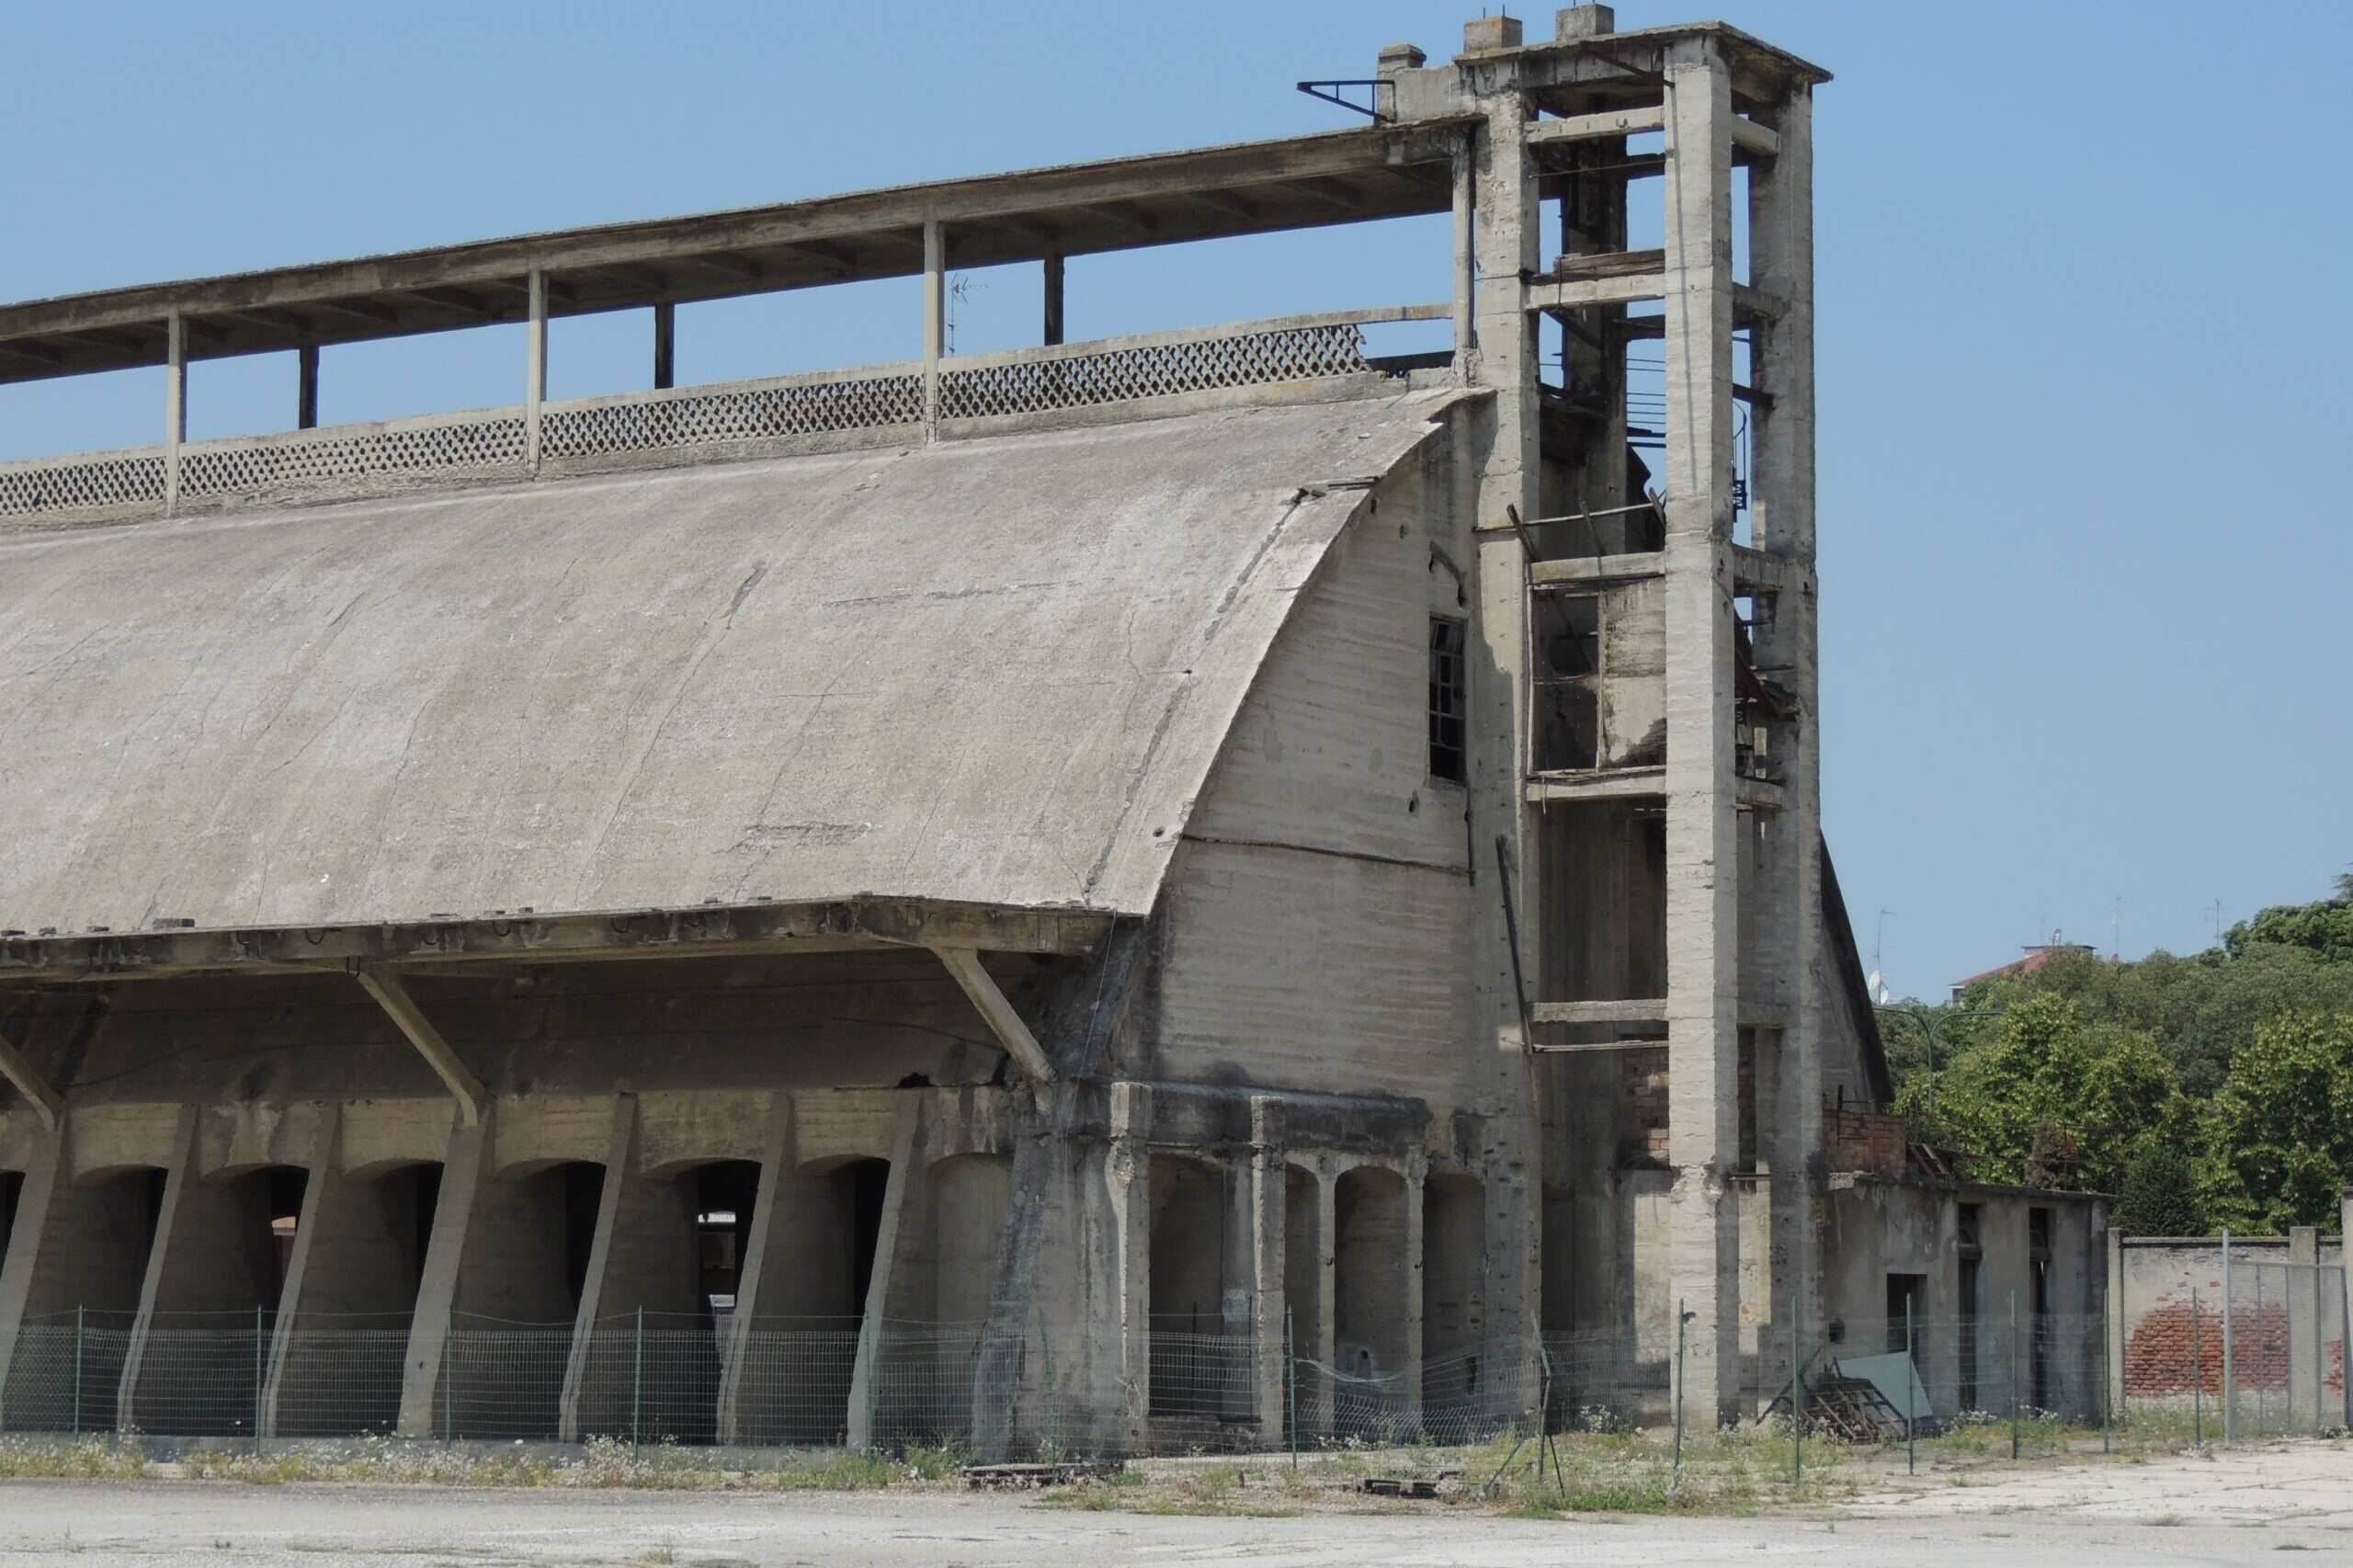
<point x="2084" y="337"/>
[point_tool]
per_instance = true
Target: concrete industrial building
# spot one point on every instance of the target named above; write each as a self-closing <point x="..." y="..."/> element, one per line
<point x="1023" y="874"/>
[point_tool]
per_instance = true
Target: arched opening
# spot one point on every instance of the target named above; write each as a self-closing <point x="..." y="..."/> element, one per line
<point x="808" y="1304"/>
<point x="1371" y="1272"/>
<point x="95" y="1239"/>
<point x="1304" y="1281"/>
<point x="346" y="1344"/>
<point x="725" y="1192"/>
<point x="1454" y="1254"/>
<point x="1193" y="1361"/>
<point x="516" y="1296"/>
<point x="217" y="1289"/>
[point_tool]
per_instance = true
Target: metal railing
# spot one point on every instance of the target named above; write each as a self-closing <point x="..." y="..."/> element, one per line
<point x="978" y="393"/>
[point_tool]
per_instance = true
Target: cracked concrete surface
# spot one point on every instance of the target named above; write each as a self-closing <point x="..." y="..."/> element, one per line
<point x="2233" y="1509"/>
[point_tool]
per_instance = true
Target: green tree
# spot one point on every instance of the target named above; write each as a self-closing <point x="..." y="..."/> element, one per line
<point x="2281" y="1128"/>
<point x="2324" y="928"/>
<point x="2159" y="1195"/>
<point x="2045" y="1078"/>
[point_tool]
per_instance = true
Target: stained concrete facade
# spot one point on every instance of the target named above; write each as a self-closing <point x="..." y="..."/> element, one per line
<point x="1192" y="863"/>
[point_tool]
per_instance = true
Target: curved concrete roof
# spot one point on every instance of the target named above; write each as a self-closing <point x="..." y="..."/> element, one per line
<point x="993" y="671"/>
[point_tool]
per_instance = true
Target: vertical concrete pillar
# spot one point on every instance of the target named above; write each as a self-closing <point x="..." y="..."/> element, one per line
<point x="1416" y="1170"/>
<point x="1325" y="1321"/>
<point x="1269" y="1214"/>
<point x="665" y="344"/>
<point x="1052" y="335"/>
<point x="1702" y="821"/>
<point x="465" y="1185"/>
<point x="935" y="321"/>
<point x="621" y="1160"/>
<point x="179" y="1216"/>
<point x="863" y="1390"/>
<point x="761" y="1253"/>
<point x="2115" y="1319"/>
<point x="2345" y="1306"/>
<point x="47" y="1190"/>
<point x="1790" y="960"/>
<point x="174" y="406"/>
<point x="306" y="387"/>
<point x="1466" y="256"/>
<point x="1129" y="1183"/>
<point x="535" y="368"/>
<point x="323" y="1206"/>
<point x="1509" y="247"/>
<point x="2305" y="1398"/>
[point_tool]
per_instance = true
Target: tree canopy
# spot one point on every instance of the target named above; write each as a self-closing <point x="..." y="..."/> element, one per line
<point x="2205" y="1090"/>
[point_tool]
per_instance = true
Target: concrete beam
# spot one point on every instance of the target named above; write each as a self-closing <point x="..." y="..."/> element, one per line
<point x="965" y="965"/>
<point x="465" y="1177"/>
<point x="385" y="986"/>
<point x="47" y="1103"/>
<point x="1576" y="293"/>
<point x="739" y="931"/>
<point x="1635" y="1011"/>
<point x="1614" y="784"/>
<point x="1596" y="127"/>
<point x="1771" y="573"/>
<point x="1758" y="140"/>
<point x="1599" y="568"/>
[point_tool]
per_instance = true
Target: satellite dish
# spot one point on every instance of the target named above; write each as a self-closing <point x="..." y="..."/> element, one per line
<point x="1873" y="984"/>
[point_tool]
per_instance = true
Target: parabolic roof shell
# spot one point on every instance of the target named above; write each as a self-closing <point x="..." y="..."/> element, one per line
<point x="993" y="671"/>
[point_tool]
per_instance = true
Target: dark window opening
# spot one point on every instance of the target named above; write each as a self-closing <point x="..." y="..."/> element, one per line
<point x="862" y="1185"/>
<point x="1449" y="701"/>
<point x="584" y="1194"/>
<point x="2038" y="1268"/>
<point x="1566" y="735"/>
<point x="1973" y="1253"/>
<point x="282" y="1189"/>
<point x="725" y="1194"/>
<point x="425" y="1187"/>
<point x="1906" y="1293"/>
<point x="12" y="1189"/>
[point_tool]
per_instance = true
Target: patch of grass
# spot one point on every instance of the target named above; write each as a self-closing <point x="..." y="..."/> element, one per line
<point x="77" y="1459"/>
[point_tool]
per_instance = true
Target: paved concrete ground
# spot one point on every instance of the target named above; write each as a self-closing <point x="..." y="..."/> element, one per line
<point x="2237" y="1509"/>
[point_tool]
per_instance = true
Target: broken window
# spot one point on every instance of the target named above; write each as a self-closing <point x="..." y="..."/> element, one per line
<point x="1450" y="700"/>
<point x="1568" y="669"/>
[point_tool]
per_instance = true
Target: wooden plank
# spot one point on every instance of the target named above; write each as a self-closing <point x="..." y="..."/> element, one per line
<point x="394" y="997"/>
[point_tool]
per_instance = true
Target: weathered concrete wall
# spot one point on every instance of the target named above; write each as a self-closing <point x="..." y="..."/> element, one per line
<point x="2286" y="1331"/>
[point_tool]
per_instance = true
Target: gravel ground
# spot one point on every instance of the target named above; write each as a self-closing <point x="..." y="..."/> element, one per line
<point x="2235" y="1508"/>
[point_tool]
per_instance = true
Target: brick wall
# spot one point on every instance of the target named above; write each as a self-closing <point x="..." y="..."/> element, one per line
<point x="1864" y="1141"/>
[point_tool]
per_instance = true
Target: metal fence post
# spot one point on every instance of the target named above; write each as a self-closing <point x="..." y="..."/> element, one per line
<point x="1290" y="1378"/>
<point x="1053" y="1413"/>
<point x="2230" y="1384"/>
<point x="2197" y="1378"/>
<point x="1678" y="1384"/>
<point x="637" y="1383"/>
<point x="2107" y="1394"/>
<point x="1911" y="1380"/>
<point x="449" y="1377"/>
<point x="258" y="1355"/>
<point x="2014" y="1373"/>
<point x="78" y="1314"/>
<point x="2262" y="1355"/>
<point x="1796" y="1402"/>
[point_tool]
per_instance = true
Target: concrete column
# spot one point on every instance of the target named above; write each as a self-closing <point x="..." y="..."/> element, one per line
<point x="465" y="1185"/>
<point x="179" y="1177"/>
<point x="1053" y="300"/>
<point x="47" y="1192"/>
<point x="2306" y="1396"/>
<point x="666" y="346"/>
<point x="1508" y="237"/>
<point x="306" y="387"/>
<point x="935" y="320"/>
<point x="174" y="406"/>
<point x="620" y="1162"/>
<point x="1129" y="1182"/>
<point x="1269" y="1243"/>
<point x="535" y="368"/>
<point x="2115" y="1319"/>
<point x="324" y="1205"/>
<point x="777" y="1164"/>
<point x="2345" y="1304"/>
<point x="1466" y="257"/>
<point x="863" y="1392"/>
<point x="1790" y="958"/>
<point x="1325" y="1321"/>
<point x="1416" y="1169"/>
<point x="1703" y="846"/>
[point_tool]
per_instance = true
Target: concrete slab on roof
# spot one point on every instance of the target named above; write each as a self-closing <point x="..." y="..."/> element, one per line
<point x="993" y="671"/>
